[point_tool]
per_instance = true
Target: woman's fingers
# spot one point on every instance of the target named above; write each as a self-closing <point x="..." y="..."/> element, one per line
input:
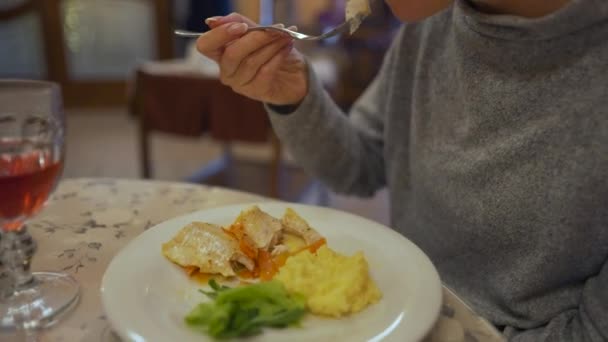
<point x="250" y="66"/>
<point x="214" y="22"/>
<point x="212" y="43"/>
<point x="263" y="83"/>
<point x="235" y="53"/>
<point x="269" y="70"/>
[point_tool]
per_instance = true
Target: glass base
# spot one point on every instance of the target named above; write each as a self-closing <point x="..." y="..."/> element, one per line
<point x="41" y="303"/>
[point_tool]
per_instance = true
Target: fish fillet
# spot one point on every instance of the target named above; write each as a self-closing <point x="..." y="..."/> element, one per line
<point x="263" y="229"/>
<point x="294" y="224"/>
<point x="206" y="247"/>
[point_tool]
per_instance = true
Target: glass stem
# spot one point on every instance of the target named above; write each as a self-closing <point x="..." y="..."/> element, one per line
<point x="18" y="247"/>
<point x="16" y="251"/>
<point x="29" y="335"/>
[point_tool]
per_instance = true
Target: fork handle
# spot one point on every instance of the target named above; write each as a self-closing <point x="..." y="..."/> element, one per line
<point x="266" y="28"/>
<point x="184" y="33"/>
<point x="190" y="34"/>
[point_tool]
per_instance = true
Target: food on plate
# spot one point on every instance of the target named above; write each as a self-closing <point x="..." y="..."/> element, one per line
<point x="262" y="238"/>
<point x="262" y="229"/>
<point x="292" y="243"/>
<point x="297" y="270"/>
<point x="244" y="311"/>
<point x="255" y="246"/>
<point x="357" y="10"/>
<point x="294" y="224"/>
<point x="333" y="284"/>
<point x="206" y="248"/>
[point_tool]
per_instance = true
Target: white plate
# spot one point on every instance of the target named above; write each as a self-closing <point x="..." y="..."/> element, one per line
<point x="146" y="297"/>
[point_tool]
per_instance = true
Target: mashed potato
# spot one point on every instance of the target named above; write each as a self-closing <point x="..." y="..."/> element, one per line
<point x="334" y="285"/>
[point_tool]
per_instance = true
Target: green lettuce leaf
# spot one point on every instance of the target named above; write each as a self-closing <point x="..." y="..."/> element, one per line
<point x="245" y="311"/>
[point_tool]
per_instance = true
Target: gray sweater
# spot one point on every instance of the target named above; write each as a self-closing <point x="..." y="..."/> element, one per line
<point x="491" y="133"/>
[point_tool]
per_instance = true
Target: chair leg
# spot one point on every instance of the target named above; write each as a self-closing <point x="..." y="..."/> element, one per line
<point x="144" y="146"/>
<point x="136" y="108"/>
<point x="228" y="159"/>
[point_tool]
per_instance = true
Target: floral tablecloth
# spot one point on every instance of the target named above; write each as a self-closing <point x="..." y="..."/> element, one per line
<point x="88" y="221"/>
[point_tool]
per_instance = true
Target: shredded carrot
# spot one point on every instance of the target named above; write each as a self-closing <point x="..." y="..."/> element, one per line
<point x="318" y="244"/>
<point x="267" y="267"/>
<point x="247" y="274"/>
<point x="248" y="249"/>
<point x="190" y="270"/>
<point x="236" y="230"/>
<point x="312" y="247"/>
<point x="280" y="259"/>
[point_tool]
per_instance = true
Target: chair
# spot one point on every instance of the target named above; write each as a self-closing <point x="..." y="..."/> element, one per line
<point x="188" y="104"/>
<point x="185" y="98"/>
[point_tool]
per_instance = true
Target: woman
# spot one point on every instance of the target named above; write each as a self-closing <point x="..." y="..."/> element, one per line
<point x="489" y="124"/>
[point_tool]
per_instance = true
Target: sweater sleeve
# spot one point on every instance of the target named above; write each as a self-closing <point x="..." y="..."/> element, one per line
<point x="586" y="323"/>
<point x="344" y="151"/>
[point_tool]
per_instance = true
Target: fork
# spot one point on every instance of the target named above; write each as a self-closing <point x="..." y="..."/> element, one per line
<point x="349" y="25"/>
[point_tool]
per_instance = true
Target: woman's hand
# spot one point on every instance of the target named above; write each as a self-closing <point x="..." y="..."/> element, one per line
<point x="261" y="65"/>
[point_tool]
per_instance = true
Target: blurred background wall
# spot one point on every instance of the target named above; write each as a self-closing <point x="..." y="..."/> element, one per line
<point x="91" y="46"/>
<point x="95" y="48"/>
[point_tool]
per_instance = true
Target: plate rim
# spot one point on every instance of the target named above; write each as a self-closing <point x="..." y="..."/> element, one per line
<point x="433" y="311"/>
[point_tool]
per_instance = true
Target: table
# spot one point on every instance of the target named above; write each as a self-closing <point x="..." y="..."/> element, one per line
<point x="88" y="221"/>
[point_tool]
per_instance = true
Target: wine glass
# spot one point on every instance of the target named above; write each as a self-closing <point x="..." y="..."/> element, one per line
<point x="32" y="130"/>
